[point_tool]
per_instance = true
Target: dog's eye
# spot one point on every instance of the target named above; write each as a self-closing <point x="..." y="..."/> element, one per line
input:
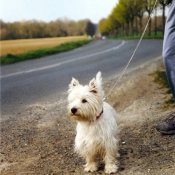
<point x="84" y="101"/>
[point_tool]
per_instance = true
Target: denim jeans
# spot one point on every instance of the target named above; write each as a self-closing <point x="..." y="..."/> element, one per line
<point x="169" y="47"/>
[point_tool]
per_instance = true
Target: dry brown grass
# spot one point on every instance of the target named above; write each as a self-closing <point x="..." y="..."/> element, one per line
<point x="24" y="45"/>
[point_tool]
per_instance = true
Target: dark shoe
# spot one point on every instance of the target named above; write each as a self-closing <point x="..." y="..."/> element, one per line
<point x="167" y="127"/>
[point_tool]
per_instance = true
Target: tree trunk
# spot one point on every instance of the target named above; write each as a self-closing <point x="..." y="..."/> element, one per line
<point x="136" y="26"/>
<point x="149" y="29"/>
<point x="127" y="29"/>
<point x="163" y="19"/>
<point x="140" y="25"/>
<point x="155" y="24"/>
<point x="132" y="27"/>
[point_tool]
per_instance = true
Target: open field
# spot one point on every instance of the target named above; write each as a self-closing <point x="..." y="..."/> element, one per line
<point x="21" y="46"/>
<point x="39" y="53"/>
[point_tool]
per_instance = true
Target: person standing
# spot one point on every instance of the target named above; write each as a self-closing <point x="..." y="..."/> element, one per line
<point x="168" y="127"/>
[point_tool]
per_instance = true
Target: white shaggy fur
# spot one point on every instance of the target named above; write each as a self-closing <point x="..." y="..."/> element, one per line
<point x="96" y="136"/>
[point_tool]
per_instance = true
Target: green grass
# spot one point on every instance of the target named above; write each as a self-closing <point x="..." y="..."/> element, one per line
<point x="10" y="58"/>
<point x="161" y="79"/>
<point x="153" y="36"/>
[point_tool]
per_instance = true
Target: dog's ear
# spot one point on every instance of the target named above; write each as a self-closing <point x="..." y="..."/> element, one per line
<point x="99" y="83"/>
<point x="93" y="86"/>
<point x="99" y="79"/>
<point x="73" y="84"/>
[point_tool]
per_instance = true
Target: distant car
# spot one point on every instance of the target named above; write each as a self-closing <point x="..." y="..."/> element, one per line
<point x="97" y="37"/>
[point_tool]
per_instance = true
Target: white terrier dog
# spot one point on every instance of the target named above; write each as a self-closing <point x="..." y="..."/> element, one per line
<point x="97" y="129"/>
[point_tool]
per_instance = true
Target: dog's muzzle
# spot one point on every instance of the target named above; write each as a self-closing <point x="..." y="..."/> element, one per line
<point x="74" y="110"/>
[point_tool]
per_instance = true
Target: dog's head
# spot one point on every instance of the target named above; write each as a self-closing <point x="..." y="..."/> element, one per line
<point x="85" y="102"/>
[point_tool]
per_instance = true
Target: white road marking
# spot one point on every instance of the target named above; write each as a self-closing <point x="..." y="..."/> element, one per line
<point x="64" y="62"/>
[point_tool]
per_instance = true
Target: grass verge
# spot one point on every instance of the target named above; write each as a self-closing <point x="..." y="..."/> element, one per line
<point x="11" y="58"/>
<point x="161" y="79"/>
<point x="146" y="36"/>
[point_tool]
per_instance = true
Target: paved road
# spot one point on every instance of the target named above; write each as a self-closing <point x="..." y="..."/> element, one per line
<point x="48" y="78"/>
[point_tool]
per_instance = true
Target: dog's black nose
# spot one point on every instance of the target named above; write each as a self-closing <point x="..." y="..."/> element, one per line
<point x="73" y="110"/>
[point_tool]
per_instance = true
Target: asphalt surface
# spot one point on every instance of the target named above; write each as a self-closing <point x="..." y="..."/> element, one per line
<point x="48" y="78"/>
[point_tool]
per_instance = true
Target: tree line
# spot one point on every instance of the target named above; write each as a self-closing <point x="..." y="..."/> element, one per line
<point x="129" y="16"/>
<point x="40" y="29"/>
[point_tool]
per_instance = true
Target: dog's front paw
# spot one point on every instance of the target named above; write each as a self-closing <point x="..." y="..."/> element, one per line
<point x="111" y="168"/>
<point x="91" y="167"/>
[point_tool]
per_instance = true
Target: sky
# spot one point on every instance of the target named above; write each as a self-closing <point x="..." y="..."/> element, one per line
<point x="50" y="10"/>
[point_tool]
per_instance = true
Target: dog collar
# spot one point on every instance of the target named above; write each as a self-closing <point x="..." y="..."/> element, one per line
<point x="99" y="115"/>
